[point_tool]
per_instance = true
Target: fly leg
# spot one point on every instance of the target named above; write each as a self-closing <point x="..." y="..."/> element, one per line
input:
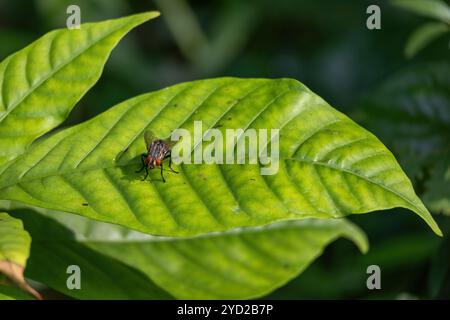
<point x="144" y="166"/>
<point x="143" y="163"/>
<point x="162" y="176"/>
<point x="146" y="174"/>
<point x="168" y="155"/>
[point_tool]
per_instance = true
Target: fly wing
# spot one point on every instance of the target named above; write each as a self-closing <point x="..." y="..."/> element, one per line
<point x="149" y="138"/>
<point x="171" y="143"/>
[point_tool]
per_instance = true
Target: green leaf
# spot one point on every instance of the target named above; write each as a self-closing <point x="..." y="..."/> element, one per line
<point x="234" y="265"/>
<point x="54" y="249"/>
<point x="411" y="113"/>
<point x="430" y="8"/>
<point x="40" y="84"/>
<point x="12" y="293"/>
<point x="14" y="251"/>
<point x="330" y="167"/>
<point x="238" y="264"/>
<point x="14" y="240"/>
<point x="423" y="36"/>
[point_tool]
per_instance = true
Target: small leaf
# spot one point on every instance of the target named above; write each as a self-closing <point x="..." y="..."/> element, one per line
<point x="423" y="36"/>
<point x="14" y="251"/>
<point x="430" y="8"/>
<point x="40" y="84"/>
<point x="239" y="264"/>
<point x="329" y="166"/>
<point x="14" y="240"/>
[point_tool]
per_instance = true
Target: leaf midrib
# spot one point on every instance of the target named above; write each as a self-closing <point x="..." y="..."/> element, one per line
<point x="304" y="160"/>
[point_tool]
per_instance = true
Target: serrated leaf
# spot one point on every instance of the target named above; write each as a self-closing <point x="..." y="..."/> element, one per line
<point x="14" y="251"/>
<point x="411" y="113"/>
<point x="329" y="165"/>
<point x="423" y="35"/>
<point x="437" y="9"/>
<point x="40" y="84"/>
<point x="238" y="264"/>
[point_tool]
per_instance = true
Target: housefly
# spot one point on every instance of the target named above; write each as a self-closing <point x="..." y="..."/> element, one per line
<point x="157" y="151"/>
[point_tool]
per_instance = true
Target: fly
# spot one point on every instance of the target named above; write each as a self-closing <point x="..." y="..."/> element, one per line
<point x="157" y="151"/>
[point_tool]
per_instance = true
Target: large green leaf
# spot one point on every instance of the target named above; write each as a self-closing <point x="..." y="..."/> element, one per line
<point x="411" y="113"/>
<point x="238" y="264"/>
<point x="40" y="84"/>
<point x="329" y="166"/>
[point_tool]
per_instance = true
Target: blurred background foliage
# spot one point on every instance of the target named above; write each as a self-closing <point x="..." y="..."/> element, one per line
<point x="402" y="95"/>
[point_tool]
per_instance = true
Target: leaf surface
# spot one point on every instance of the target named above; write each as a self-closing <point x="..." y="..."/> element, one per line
<point x="329" y="166"/>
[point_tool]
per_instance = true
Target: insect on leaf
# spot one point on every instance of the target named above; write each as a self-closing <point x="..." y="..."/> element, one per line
<point x="329" y="166"/>
<point x="149" y="138"/>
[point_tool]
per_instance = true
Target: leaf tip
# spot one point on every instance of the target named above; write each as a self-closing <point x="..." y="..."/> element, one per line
<point x="437" y="230"/>
<point x="357" y="236"/>
<point x="426" y="215"/>
<point x="148" y="15"/>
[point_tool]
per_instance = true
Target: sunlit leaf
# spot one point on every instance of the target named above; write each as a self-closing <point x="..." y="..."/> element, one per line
<point x="330" y="167"/>
<point x="40" y="84"/>
<point x="14" y="241"/>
